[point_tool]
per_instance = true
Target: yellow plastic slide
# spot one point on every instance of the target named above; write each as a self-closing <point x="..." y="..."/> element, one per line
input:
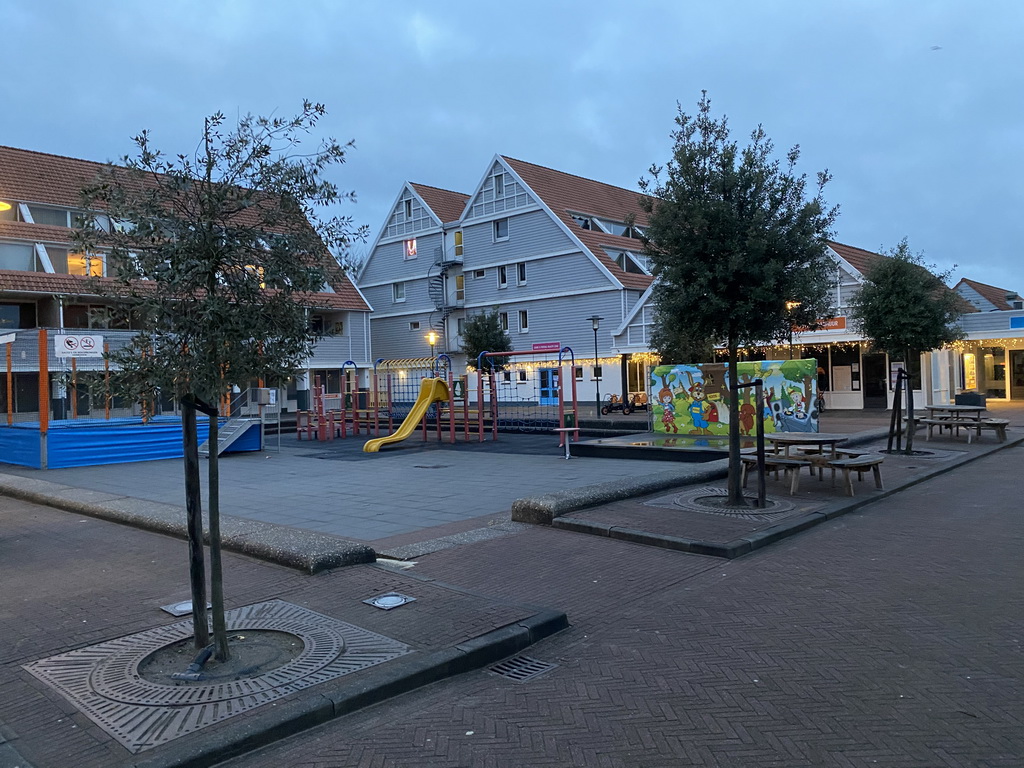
<point x="431" y="391"/>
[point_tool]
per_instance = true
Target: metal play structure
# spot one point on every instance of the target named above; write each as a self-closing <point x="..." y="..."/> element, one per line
<point x="522" y="391"/>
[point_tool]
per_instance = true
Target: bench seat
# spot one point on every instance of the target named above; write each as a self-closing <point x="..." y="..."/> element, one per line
<point x="860" y="465"/>
<point x="772" y="463"/>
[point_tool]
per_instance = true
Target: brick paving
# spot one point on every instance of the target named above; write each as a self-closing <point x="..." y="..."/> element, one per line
<point x="891" y="636"/>
<point x="71" y="581"/>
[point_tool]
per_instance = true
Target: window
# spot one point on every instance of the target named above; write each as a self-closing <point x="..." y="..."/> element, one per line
<point x="503" y="320"/>
<point x="524" y="321"/>
<point x="17" y="256"/>
<point x="407" y="209"/>
<point x="397" y="292"/>
<point x="17" y="316"/>
<point x="414" y="325"/>
<point x="521" y="376"/>
<point x="460" y="325"/>
<point x="410" y="249"/>
<point x="500" y="229"/>
<point x="521" y="273"/>
<point x="499" y="185"/>
<point x="597" y="373"/>
<point x="506" y="376"/>
<point x="578" y="372"/>
<point x="8" y="210"/>
<point x="87" y="264"/>
<point x="316" y="324"/>
<point x="460" y="288"/>
<point x="459" y="250"/>
<point x="502" y="276"/>
<point x="479" y="274"/>
<point x="54" y="217"/>
<point x="338" y="328"/>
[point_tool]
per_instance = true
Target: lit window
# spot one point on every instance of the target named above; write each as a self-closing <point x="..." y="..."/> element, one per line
<point x="501" y="229"/>
<point x="410" y="249"/>
<point x="524" y="321"/>
<point x="521" y="273"/>
<point x="502" y="276"/>
<point x="503" y="320"/>
<point x="458" y="243"/>
<point x="398" y="292"/>
<point x="460" y="287"/>
<point x="87" y="265"/>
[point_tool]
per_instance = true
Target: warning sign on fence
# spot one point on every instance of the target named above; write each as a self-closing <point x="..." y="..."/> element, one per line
<point x="78" y="346"/>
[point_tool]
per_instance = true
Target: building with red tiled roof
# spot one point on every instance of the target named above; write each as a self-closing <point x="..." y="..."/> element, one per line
<point x="988" y="298"/>
<point x="46" y="284"/>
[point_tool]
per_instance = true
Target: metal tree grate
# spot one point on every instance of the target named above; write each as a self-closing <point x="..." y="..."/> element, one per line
<point x="521" y="668"/>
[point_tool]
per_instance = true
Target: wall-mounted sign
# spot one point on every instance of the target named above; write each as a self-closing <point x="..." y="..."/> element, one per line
<point x="1017" y="322"/>
<point x="547" y="346"/>
<point x="827" y="324"/>
<point x="68" y="345"/>
<point x="8" y="338"/>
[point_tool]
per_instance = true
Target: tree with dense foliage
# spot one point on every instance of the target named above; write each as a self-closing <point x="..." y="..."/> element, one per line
<point x="482" y="332"/>
<point x="904" y="308"/>
<point x="220" y="255"/>
<point x="737" y="243"/>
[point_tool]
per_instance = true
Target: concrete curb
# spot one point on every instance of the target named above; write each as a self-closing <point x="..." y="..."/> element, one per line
<point x="334" y="699"/>
<point x="784" y="529"/>
<point x="542" y="510"/>
<point x="291" y="547"/>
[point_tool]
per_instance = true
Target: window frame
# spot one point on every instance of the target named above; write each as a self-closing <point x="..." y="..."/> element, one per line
<point x="398" y="292"/>
<point x="414" y="325"/>
<point x="503" y="321"/>
<point x="497" y="224"/>
<point x="502" y="276"/>
<point x="524" y="321"/>
<point x="409" y="249"/>
<point x="521" y="273"/>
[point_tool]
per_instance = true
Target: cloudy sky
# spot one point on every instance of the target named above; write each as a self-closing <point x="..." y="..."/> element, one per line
<point x="916" y="107"/>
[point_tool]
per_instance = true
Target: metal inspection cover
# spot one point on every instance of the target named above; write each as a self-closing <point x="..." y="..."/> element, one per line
<point x="389" y="600"/>
<point x="103" y="681"/>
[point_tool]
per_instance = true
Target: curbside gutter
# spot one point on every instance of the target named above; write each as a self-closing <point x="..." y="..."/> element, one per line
<point x="306" y="551"/>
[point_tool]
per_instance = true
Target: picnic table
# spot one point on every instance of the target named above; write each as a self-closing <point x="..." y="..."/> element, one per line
<point x="954" y="418"/>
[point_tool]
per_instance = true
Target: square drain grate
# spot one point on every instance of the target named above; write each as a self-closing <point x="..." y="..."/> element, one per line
<point x="521" y="668"/>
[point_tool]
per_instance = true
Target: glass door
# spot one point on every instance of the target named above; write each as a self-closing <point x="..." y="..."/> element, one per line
<point x="548" y="386"/>
<point x="1017" y="374"/>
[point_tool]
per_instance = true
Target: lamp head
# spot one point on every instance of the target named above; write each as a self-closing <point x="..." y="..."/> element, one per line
<point x="595" y="321"/>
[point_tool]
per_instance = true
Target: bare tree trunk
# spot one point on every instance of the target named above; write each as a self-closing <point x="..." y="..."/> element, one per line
<point x="220" y="633"/>
<point x="735" y="489"/>
<point x="194" y="514"/>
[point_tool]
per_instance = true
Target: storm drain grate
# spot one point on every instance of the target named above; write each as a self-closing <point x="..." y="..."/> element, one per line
<point x="521" y="668"/>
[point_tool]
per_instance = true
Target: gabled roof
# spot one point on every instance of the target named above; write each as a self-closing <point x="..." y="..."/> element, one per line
<point x="857" y="258"/>
<point x="565" y="194"/>
<point x="446" y="204"/>
<point x="997" y="296"/>
<point x="37" y="177"/>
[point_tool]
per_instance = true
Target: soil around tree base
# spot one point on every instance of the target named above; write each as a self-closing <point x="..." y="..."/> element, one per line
<point x="252" y="653"/>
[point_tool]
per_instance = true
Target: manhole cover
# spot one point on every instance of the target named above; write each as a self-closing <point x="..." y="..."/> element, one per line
<point x="521" y="668"/>
<point x="389" y="600"/>
<point x="104" y="681"/>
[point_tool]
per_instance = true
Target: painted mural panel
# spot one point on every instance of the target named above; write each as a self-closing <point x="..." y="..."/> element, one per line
<point x="693" y="399"/>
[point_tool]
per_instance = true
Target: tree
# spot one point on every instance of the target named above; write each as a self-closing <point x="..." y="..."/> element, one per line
<point x="904" y="308"/>
<point x="737" y="244"/>
<point x="221" y="256"/>
<point x="482" y="332"/>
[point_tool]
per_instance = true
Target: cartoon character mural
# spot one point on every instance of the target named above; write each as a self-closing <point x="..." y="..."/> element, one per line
<point x="701" y="392"/>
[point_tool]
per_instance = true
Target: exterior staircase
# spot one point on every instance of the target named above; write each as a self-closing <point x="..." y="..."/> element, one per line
<point x="228" y="434"/>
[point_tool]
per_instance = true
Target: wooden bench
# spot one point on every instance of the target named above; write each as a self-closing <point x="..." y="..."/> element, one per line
<point x="774" y="463"/>
<point x="998" y="425"/>
<point x="860" y="465"/>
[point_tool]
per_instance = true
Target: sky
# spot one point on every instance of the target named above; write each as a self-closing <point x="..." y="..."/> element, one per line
<point x="916" y="108"/>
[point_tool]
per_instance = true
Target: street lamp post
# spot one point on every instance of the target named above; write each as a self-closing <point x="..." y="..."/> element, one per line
<point x="595" y="321"/>
<point x="432" y="340"/>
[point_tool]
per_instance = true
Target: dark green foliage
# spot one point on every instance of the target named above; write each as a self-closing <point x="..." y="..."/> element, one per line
<point x="197" y="242"/>
<point x="482" y="332"/>
<point x="904" y="307"/>
<point x="737" y="245"/>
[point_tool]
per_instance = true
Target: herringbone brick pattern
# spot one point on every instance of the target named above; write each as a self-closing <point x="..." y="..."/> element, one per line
<point x="889" y="637"/>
